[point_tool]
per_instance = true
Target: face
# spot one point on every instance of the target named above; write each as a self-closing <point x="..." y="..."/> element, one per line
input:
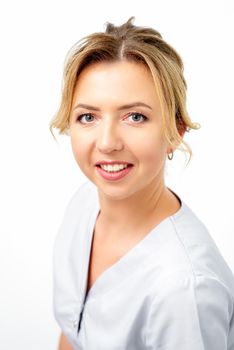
<point x="105" y="130"/>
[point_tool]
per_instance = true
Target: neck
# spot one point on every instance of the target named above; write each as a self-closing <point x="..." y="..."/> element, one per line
<point x="131" y="214"/>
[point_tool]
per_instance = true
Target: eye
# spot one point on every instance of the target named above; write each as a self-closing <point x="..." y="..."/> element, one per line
<point x="82" y="115"/>
<point x="138" y="115"/>
<point x="89" y="115"/>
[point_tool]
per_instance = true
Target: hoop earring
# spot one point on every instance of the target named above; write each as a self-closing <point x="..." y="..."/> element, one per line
<point x="170" y="157"/>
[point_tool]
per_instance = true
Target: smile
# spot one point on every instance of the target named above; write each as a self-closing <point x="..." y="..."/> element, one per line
<point x="115" y="172"/>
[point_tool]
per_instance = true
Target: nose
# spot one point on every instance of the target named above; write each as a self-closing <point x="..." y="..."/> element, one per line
<point x="109" y="138"/>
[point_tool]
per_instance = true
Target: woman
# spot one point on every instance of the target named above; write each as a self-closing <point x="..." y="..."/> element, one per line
<point x="134" y="267"/>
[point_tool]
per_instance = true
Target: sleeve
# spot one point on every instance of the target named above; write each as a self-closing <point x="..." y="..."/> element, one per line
<point x="189" y="313"/>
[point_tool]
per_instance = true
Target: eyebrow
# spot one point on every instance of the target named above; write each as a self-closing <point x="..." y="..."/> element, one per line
<point x="134" y="104"/>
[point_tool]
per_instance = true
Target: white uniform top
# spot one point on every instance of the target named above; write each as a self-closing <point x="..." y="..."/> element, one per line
<point x="172" y="290"/>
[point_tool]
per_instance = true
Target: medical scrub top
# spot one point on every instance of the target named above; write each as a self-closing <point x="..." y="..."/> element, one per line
<point x="172" y="291"/>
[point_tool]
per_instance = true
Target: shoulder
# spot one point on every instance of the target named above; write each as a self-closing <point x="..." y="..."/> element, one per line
<point x="184" y="285"/>
<point x="199" y="248"/>
<point x="76" y="213"/>
<point x="186" y="310"/>
<point x="84" y="196"/>
<point x="187" y="220"/>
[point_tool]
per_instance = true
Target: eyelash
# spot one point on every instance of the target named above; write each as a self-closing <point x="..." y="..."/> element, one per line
<point x="138" y="114"/>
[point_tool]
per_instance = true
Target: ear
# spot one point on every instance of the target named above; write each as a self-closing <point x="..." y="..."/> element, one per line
<point x="181" y="132"/>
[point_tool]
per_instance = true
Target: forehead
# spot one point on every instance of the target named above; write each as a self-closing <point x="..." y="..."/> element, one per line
<point x="115" y="81"/>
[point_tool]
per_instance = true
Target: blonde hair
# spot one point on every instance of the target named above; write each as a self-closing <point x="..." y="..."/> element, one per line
<point x="142" y="45"/>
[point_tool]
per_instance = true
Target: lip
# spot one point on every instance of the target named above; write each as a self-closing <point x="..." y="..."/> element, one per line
<point x="111" y="162"/>
<point x="112" y="176"/>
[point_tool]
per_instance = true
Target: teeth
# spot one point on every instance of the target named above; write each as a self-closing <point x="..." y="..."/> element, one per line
<point x="113" y="168"/>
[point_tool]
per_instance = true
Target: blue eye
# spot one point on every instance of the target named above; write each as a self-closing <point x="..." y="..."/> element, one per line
<point x="138" y="115"/>
<point x="91" y="116"/>
<point x="82" y="115"/>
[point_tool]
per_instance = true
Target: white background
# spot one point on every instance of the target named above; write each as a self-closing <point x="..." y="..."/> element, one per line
<point x="38" y="175"/>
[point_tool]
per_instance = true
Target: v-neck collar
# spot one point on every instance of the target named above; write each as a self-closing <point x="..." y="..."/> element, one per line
<point x="122" y="269"/>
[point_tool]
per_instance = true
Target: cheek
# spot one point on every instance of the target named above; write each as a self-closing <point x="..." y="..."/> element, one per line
<point x="151" y="149"/>
<point x="78" y="148"/>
